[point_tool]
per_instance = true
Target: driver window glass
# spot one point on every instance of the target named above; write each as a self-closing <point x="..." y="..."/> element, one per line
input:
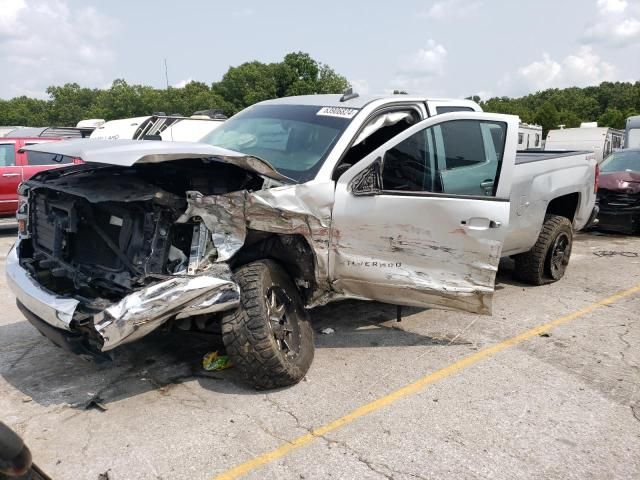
<point x="460" y="157"/>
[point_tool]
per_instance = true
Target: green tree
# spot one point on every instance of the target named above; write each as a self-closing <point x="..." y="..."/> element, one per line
<point x="329" y="81"/>
<point x="568" y="118"/>
<point x="70" y="103"/>
<point x="612" y="117"/>
<point x="24" y="111"/>
<point x="247" y="84"/>
<point x="547" y="116"/>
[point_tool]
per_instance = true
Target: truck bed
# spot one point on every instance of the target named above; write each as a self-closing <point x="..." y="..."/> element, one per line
<point x="528" y="156"/>
<point x="541" y="177"/>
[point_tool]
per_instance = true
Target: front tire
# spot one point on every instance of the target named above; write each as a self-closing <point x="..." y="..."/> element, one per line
<point x="548" y="259"/>
<point x="269" y="336"/>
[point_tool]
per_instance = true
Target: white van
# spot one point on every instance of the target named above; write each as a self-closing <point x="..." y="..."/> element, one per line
<point x="158" y="127"/>
<point x="600" y="140"/>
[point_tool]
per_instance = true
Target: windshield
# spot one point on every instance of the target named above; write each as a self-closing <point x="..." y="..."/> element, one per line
<point x="294" y="139"/>
<point x="623" y="161"/>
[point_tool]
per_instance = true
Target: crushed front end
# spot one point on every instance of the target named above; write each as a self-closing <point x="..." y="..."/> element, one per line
<point x="619" y="211"/>
<point x="106" y="255"/>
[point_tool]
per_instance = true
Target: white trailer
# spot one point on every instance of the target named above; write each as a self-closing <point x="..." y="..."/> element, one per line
<point x="600" y="140"/>
<point x="632" y="132"/>
<point x="158" y="127"/>
<point x="529" y="136"/>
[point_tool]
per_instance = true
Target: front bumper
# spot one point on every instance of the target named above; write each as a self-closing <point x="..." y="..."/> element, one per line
<point x="133" y="317"/>
<point x="621" y="221"/>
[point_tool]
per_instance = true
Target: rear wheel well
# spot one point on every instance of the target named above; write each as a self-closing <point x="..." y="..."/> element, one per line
<point x="565" y="206"/>
<point x="292" y="252"/>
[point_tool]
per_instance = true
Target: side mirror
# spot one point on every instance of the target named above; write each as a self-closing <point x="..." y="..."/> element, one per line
<point x="369" y="181"/>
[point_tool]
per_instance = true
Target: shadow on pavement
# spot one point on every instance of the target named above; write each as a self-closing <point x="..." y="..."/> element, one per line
<point x="51" y="376"/>
<point x="7" y="231"/>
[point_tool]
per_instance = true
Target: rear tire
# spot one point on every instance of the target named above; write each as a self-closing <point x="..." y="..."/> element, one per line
<point x="548" y="259"/>
<point x="269" y="336"/>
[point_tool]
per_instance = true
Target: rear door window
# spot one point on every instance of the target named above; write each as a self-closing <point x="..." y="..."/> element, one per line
<point x="459" y="157"/>
<point x="41" y="158"/>
<point x="7" y="155"/>
<point x="451" y="108"/>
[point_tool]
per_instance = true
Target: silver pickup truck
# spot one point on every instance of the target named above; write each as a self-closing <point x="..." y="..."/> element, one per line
<point x="290" y="204"/>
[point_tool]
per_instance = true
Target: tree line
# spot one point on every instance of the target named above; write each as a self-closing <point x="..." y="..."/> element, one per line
<point x="609" y="103"/>
<point x="241" y="86"/>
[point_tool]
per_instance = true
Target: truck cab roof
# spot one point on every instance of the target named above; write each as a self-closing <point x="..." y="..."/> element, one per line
<point x="332" y="100"/>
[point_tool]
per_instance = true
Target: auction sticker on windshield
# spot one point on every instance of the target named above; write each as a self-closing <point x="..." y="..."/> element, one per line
<point x="341" y="112"/>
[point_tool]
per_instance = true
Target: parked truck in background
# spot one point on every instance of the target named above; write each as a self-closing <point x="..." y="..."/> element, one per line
<point x="290" y="204"/>
<point x="17" y="166"/>
<point x="599" y="140"/>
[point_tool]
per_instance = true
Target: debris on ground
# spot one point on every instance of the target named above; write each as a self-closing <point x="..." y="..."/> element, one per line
<point x="95" y="403"/>
<point x="612" y="253"/>
<point x="327" y="331"/>
<point x="544" y="334"/>
<point x="104" y="476"/>
<point x="213" y="361"/>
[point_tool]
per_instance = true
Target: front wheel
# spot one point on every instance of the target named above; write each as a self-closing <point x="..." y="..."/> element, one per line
<point x="548" y="259"/>
<point x="269" y="336"/>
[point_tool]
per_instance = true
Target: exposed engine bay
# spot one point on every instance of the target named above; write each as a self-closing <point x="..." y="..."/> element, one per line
<point x="102" y="232"/>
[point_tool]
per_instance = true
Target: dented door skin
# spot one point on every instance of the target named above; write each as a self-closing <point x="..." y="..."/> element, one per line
<point x="408" y="245"/>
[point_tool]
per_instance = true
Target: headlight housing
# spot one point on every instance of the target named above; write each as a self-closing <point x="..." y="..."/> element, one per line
<point x="22" y="214"/>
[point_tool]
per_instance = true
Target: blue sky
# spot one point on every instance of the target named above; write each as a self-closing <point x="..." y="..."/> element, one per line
<point x="438" y="47"/>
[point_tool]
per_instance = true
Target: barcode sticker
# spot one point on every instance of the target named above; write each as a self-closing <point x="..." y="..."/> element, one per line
<point x="341" y="112"/>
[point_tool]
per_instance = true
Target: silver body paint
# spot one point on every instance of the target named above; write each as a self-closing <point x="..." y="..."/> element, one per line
<point x="432" y="250"/>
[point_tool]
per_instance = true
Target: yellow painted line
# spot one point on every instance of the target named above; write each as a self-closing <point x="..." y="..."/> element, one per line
<point x="281" y="451"/>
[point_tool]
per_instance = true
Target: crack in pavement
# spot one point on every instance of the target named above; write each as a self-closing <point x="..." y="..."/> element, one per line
<point x="22" y="355"/>
<point x="371" y="465"/>
<point x="635" y="411"/>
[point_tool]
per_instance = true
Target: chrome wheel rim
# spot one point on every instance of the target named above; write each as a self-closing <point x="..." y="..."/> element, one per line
<point x="560" y="252"/>
<point x="283" y="321"/>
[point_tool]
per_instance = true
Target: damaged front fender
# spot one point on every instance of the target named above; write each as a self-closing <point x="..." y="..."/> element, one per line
<point x="289" y="210"/>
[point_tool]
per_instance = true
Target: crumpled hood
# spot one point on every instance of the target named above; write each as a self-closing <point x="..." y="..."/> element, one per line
<point x="627" y="182"/>
<point x="126" y="153"/>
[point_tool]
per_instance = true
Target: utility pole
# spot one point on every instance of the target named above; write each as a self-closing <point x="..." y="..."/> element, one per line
<point x="166" y="73"/>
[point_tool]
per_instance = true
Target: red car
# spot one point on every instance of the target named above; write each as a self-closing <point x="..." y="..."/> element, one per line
<point x="16" y="166"/>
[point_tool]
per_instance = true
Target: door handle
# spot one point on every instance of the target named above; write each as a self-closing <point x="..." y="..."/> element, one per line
<point x="480" y="223"/>
<point x="10" y="174"/>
